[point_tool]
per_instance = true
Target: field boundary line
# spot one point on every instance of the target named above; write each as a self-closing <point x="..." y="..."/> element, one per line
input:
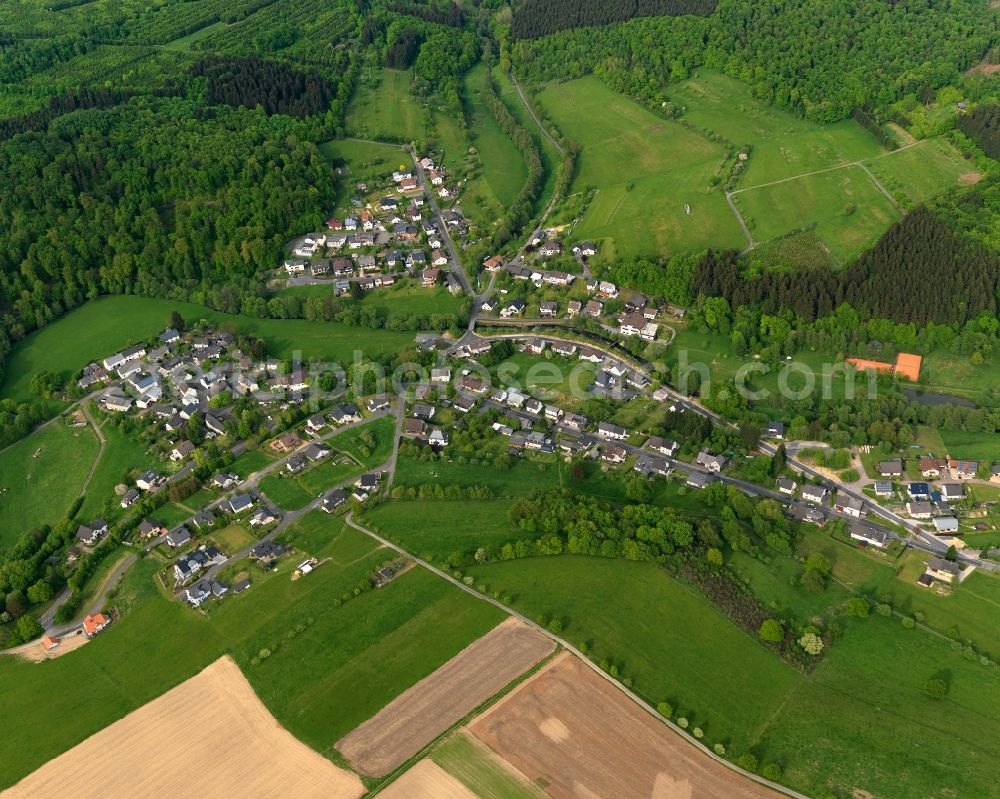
<point x="834" y="168"/>
<point x="628" y="692"/>
<point x="457" y="727"/>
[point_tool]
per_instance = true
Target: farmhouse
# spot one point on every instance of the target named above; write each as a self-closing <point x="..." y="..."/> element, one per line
<point x="93" y="624"/>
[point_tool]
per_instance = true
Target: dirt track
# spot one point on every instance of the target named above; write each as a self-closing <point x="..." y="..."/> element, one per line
<point x="417" y="716"/>
<point x="427" y="780"/>
<point x="572" y="731"/>
<point x="210" y="737"/>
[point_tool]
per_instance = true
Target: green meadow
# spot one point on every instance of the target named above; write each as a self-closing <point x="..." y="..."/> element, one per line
<point x="323" y="643"/>
<point x="41" y="475"/>
<point x="503" y="167"/>
<point x="919" y="173"/>
<point x="645" y="169"/>
<point x="844" y="726"/>
<point x="383" y="107"/>
<point x="844" y="208"/>
<point x="781" y="145"/>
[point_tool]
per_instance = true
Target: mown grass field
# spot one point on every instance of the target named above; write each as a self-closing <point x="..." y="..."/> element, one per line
<point x="385" y="640"/>
<point x="846" y="725"/>
<point x="863" y="712"/>
<point x="522" y="478"/>
<point x="122" y="453"/>
<point x="848" y="211"/>
<point x="972" y="446"/>
<point x="106" y="325"/>
<point x="671" y="642"/>
<point x="383" y="107"/>
<point x="40" y="477"/>
<point x="782" y="145"/>
<point x="645" y="169"/>
<point x="249" y="462"/>
<point x="435" y="529"/>
<point x="917" y="174"/>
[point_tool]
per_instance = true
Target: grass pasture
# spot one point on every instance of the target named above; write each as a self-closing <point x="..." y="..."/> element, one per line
<point x="645" y="169"/>
<point x="437" y="530"/>
<point x="364" y="161"/>
<point x="523" y="478"/>
<point x="503" y="167"/>
<point x="848" y="211"/>
<point x="383" y="107"/>
<point x="40" y="477"/>
<point x="972" y="446"/>
<point x="919" y="173"/>
<point x="406" y="298"/>
<point x="782" y="145"/>
<point x="671" y="642"/>
<point x="122" y="454"/>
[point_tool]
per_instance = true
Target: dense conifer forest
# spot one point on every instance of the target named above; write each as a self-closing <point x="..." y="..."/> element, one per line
<point x="534" y="18"/>
<point x="920" y="271"/>
<point x="276" y="87"/>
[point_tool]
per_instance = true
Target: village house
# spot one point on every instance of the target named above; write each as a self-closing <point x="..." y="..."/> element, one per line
<point x="612" y="453"/>
<point x="962" y="470"/>
<point x="91" y="533"/>
<point x="943" y="571"/>
<point x="931" y="468"/>
<point x="181" y="451"/>
<point x="94" y="623"/>
<point x="585" y="248"/>
<point x="893" y="468"/>
<point x="787" y="486"/>
<point x="714" y="463"/>
<point x="333" y="500"/>
<point x="883" y="488"/>
<point x="776" y="430"/>
<point x="815" y="494"/>
<point x="870" y="535"/>
<point x="611" y="431"/>
<point x="849" y="506"/>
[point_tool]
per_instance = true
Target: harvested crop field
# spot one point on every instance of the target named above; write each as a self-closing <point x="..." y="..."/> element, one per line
<point x="427" y="780"/>
<point x="417" y="716"/>
<point x="212" y="727"/>
<point x="573" y="732"/>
